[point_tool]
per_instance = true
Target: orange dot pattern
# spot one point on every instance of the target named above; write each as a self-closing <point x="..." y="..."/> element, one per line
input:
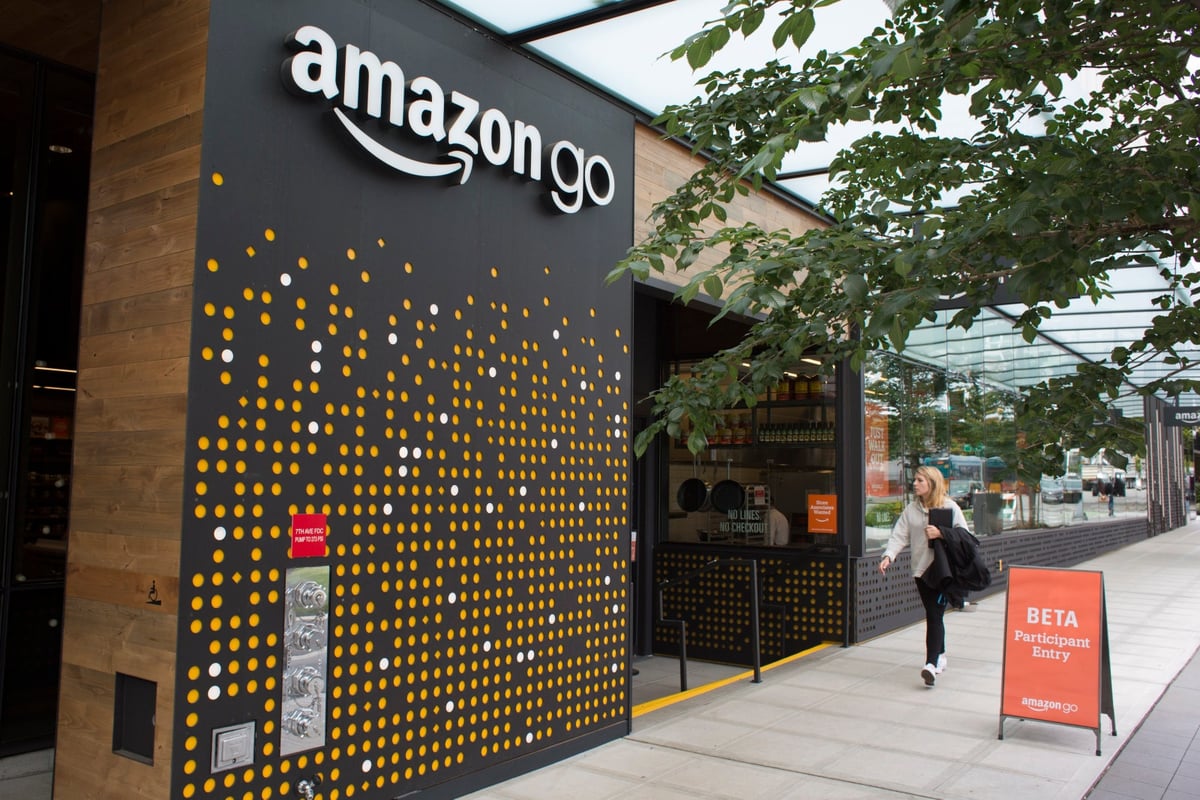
<point x="802" y="603"/>
<point x="468" y="441"/>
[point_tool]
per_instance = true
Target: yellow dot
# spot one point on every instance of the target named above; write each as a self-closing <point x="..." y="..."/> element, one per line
<point x="350" y="254"/>
<point x="212" y="265"/>
<point x="218" y="179"/>
<point x="269" y="235"/>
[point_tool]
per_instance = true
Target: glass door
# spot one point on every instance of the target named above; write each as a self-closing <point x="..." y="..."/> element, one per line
<point x="45" y="146"/>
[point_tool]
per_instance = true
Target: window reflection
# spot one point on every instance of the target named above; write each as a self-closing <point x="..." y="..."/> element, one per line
<point x="918" y="414"/>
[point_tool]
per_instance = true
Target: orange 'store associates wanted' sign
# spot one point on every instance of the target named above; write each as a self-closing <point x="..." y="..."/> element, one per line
<point x="822" y="513"/>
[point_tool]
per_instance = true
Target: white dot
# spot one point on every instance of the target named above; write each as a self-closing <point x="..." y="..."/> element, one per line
<point x="416" y="452"/>
<point x="491" y="372"/>
<point x="387" y="508"/>
<point x="402" y="472"/>
<point x="316" y="346"/>
<point x="383" y="663"/>
<point x="214" y="669"/>
<point x="553" y="618"/>
<point x="403" y="452"/>
<point x="555" y="334"/>
<point x="608" y="580"/>
<point x="490" y="508"/>
<point x="315" y="366"/>
<point x="444" y="418"/>
<point x="433" y="309"/>
<point x="214" y="692"/>
<point x="582" y="506"/>
<point x="219" y="533"/>
<point x="616" y="667"/>
<point x="524" y="491"/>
<point x="313" y="427"/>
<point x="366" y="765"/>
<point x="531" y="654"/>
<point x="393" y="338"/>
<point x="616" y="608"/>
<point x="583" y="386"/>
<point x="227" y="356"/>
<point x="453" y="598"/>
<point x="285" y="279"/>
<point x="554" y="444"/>
<point x="450" y="706"/>
<point x="617" y="375"/>
<point x="528" y="738"/>
<point x="487" y="647"/>
<point x="454" y="490"/>
<point x="520" y="657"/>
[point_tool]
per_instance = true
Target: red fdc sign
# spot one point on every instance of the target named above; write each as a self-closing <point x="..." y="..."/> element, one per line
<point x="309" y="532"/>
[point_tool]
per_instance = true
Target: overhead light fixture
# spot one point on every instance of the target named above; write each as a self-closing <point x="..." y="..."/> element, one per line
<point x="61" y="149"/>
<point x="44" y="368"/>
<point x="811" y="361"/>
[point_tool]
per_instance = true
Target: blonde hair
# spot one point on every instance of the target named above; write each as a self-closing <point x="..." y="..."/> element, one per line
<point x="937" y="486"/>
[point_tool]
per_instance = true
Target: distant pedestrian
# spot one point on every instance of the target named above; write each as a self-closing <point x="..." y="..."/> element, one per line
<point x="913" y="528"/>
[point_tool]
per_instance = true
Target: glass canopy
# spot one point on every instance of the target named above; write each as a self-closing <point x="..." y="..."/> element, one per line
<point x="619" y="46"/>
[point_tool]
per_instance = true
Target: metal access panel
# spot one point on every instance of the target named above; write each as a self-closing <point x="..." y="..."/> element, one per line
<point x="423" y="364"/>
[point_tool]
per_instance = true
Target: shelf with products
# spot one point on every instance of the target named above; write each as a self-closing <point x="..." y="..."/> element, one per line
<point x="798" y="412"/>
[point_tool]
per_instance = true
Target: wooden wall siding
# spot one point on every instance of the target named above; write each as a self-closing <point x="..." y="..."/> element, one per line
<point x="662" y="165"/>
<point x="131" y="406"/>
<point x="59" y="30"/>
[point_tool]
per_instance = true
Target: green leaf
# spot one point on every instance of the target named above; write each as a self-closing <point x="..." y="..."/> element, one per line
<point x="804" y="28"/>
<point x="856" y="289"/>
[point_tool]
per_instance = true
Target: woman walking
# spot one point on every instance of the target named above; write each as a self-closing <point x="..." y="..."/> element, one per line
<point x="913" y="528"/>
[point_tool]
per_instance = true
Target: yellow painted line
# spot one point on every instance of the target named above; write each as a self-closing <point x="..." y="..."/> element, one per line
<point x="663" y="702"/>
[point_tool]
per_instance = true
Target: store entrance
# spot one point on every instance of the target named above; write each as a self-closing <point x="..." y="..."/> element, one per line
<point x="45" y="146"/>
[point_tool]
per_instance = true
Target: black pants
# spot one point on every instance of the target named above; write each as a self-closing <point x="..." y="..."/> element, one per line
<point x="935" y="627"/>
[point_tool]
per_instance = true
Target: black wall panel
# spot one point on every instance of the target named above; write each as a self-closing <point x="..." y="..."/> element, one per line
<point x="436" y="366"/>
<point x="803" y="595"/>
<point x="884" y="603"/>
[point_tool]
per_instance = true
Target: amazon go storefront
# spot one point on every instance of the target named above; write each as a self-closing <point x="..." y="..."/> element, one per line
<point x="349" y="464"/>
<point x="395" y="437"/>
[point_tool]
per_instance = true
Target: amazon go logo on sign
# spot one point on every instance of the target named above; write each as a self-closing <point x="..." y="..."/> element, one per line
<point x="357" y="81"/>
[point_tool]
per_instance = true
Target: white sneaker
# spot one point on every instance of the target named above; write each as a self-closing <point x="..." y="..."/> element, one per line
<point x="928" y="673"/>
<point x="941" y="664"/>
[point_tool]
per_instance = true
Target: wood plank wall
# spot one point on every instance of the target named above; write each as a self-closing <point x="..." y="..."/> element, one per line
<point x="662" y="165"/>
<point x="127" y="498"/>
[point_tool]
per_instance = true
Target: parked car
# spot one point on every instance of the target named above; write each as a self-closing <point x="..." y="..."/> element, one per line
<point x="963" y="492"/>
<point x="1052" y="490"/>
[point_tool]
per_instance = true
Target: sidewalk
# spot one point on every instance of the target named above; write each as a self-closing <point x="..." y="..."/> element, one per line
<point x="857" y="722"/>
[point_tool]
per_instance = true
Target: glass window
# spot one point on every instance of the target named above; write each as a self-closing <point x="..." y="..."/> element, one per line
<point x="917" y="413"/>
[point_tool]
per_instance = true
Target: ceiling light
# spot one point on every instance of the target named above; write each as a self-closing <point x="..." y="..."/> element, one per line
<point x="62" y="149"/>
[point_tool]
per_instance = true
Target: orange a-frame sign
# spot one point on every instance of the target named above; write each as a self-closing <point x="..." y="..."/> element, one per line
<point x="1056" y="665"/>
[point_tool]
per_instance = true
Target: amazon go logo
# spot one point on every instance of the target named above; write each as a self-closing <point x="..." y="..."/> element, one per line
<point x="360" y="85"/>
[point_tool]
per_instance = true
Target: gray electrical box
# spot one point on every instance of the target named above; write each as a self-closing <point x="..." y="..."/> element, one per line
<point x="232" y="746"/>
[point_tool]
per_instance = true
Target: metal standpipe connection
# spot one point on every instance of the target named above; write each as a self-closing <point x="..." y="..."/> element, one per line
<point x="307" y="787"/>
